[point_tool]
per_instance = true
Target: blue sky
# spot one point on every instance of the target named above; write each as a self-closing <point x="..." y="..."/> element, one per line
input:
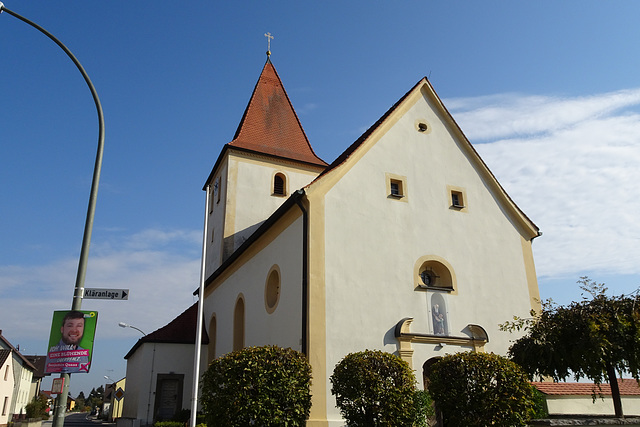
<point x="548" y="92"/>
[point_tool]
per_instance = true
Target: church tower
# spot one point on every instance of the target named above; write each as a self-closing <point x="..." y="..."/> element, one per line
<point x="269" y="158"/>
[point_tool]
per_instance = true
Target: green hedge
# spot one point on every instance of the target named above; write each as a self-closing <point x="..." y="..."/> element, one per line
<point x="481" y="389"/>
<point x="374" y="388"/>
<point x="262" y="386"/>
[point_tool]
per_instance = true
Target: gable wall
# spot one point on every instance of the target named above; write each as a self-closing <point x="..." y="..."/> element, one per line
<point x="373" y="242"/>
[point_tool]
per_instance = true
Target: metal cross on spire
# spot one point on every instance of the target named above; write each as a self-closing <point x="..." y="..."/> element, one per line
<point x="269" y="38"/>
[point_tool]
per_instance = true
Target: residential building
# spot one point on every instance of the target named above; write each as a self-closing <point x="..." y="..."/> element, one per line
<point x="160" y="372"/>
<point x="22" y="373"/>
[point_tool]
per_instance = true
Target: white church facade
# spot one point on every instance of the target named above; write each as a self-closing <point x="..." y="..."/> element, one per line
<point x="406" y="243"/>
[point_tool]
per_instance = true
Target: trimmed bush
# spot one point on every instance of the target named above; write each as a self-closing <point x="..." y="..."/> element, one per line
<point x="262" y="386"/>
<point x="37" y="408"/>
<point x="481" y="389"/>
<point x="374" y="388"/>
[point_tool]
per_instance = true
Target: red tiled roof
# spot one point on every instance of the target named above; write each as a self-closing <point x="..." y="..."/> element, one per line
<point x="270" y="124"/>
<point x="628" y="387"/>
<point x="181" y="330"/>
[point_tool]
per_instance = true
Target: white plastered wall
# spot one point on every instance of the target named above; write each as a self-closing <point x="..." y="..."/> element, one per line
<point x="143" y="367"/>
<point x="373" y="241"/>
<point x="585" y="405"/>
<point x="247" y="198"/>
<point x="283" y="327"/>
<point x="6" y="389"/>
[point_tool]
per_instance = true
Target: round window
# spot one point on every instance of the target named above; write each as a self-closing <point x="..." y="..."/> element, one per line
<point x="272" y="290"/>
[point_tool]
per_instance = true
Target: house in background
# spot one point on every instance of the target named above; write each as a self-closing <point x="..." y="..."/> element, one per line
<point x="22" y="373"/>
<point x="160" y="372"/>
<point x="6" y="386"/>
<point x="406" y="243"/>
<point x="576" y="399"/>
<point x="113" y="400"/>
<point x="38" y="375"/>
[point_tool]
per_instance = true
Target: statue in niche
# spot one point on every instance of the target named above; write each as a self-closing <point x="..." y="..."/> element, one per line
<point x="439" y="318"/>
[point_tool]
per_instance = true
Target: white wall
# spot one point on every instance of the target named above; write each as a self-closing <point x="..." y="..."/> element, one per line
<point x="22" y="385"/>
<point x="283" y="327"/>
<point x="373" y="242"/>
<point x="143" y="367"/>
<point x="247" y="200"/>
<point x="584" y="405"/>
<point x="6" y="390"/>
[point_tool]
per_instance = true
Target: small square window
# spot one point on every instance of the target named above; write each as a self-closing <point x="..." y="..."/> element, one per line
<point x="457" y="201"/>
<point x="395" y="186"/>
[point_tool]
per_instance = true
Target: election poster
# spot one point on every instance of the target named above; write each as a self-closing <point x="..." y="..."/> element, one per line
<point x="71" y="341"/>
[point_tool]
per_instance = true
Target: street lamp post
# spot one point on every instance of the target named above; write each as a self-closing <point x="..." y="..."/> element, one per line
<point x="126" y="325"/>
<point x="78" y="293"/>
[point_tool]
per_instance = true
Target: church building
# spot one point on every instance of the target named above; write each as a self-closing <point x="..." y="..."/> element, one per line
<point x="405" y="243"/>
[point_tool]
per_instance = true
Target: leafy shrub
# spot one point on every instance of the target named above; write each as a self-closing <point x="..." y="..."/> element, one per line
<point x="375" y="388"/>
<point x="168" y="424"/>
<point x="37" y="408"/>
<point x="264" y="386"/>
<point x="424" y="408"/>
<point x="540" y="409"/>
<point x="480" y="389"/>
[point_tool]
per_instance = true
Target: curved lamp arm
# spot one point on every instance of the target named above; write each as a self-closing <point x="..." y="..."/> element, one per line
<point x="86" y="240"/>
<point x="78" y="293"/>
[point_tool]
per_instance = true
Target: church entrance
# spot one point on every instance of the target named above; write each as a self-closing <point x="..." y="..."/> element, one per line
<point x="435" y="421"/>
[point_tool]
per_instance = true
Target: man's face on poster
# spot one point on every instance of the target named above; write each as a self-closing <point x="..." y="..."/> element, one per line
<point x="72" y="331"/>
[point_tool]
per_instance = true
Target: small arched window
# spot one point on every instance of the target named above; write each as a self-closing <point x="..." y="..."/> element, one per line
<point x="433" y="272"/>
<point x="238" y="325"/>
<point x="279" y="185"/>
<point x="211" y="349"/>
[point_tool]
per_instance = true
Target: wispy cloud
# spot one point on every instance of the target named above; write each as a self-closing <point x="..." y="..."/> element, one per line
<point x="513" y="115"/>
<point x="160" y="268"/>
<point x="572" y="165"/>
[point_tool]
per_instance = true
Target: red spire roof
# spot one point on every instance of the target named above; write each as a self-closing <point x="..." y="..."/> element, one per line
<point x="270" y="125"/>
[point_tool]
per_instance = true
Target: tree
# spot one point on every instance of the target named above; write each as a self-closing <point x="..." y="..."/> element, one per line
<point x="263" y="386"/>
<point x="595" y="338"/>
<point x="481" y="389"/>
<point x="96" y="397"/>
<point x="374" y="388"/>
<point x="80" y="401"/>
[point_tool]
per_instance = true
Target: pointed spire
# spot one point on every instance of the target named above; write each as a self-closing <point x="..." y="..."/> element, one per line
<point x="270" y="125"/>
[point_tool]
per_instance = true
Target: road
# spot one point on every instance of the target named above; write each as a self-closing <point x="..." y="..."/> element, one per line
<point x="81" y="419"/>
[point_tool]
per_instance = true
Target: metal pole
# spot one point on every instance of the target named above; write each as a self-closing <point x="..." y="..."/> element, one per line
<point x="198" y="343"/>
<point x="78" y="293"/>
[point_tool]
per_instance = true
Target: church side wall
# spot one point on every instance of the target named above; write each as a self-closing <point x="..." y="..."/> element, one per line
<point x="373" y="242"/>
<point x="281" y="247"/>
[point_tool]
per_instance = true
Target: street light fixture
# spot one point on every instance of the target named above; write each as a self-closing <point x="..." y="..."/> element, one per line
<point x="126" y="325"/>
<point x="78" y="293"/>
